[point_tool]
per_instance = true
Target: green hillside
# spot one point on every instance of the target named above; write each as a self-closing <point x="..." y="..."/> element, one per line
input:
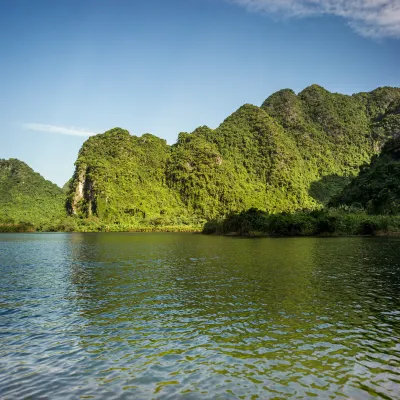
<point x="120" y="177"/>
<point x="26" y="197"/>
<point x="294" y="152"/>
<point x="377" y="187"/>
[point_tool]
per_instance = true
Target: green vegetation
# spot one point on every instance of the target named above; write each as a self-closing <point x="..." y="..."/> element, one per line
<point x="369" y="205"/>
<point x="95" y="224"/>
<point x="295" y="152"/>
<point x="377" y="187"/>
<point x="121" y="179"/>
<point x="27" y="200"/>
<point x="327" y="222"/>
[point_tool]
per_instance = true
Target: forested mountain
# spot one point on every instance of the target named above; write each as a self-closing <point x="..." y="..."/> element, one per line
<point x="26" y="197"/>
<point x="293" y="152"/>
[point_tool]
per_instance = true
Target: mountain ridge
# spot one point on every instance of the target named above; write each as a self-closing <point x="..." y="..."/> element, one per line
<point x="265" y="157"/>
<point x="294" y="152"/>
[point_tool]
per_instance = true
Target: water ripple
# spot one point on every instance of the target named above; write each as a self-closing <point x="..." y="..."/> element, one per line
<point x="186" y="316"/>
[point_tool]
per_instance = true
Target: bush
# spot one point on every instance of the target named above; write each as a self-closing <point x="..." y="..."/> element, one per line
<point x="211" y="227"/>
<point x="327" y="224"/>
<point x="368" y="227"/>
<point x="305" y="223"/>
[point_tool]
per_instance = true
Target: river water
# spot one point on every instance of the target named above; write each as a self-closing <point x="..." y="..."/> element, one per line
<point x="173" y="316"/>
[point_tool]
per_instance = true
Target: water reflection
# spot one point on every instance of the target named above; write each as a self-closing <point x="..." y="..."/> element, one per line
<point x="173" y="315"/>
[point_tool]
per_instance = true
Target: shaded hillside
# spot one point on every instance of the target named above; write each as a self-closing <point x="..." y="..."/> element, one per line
<point x="268" y="157"/>
<point x="25" y="196"/>
<point x="377" y="187"/>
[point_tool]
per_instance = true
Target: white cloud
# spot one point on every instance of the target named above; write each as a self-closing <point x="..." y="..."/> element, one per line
<point x="374" y="18"/>
<point x="58" y="129"/>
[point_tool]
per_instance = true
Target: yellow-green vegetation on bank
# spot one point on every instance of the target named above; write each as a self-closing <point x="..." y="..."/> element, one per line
<point x="74" y="224"/>
<point x="17" y="228"/>
<point x="90" y="226"/>
<point x="328" y="222"/>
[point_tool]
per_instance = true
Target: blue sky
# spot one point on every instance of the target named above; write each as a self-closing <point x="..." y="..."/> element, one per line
<point x="69" y="68"/>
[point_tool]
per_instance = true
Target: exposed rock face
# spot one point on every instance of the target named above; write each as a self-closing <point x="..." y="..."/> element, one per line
<point x="77" y="194"/>
<point x="82" y="198"/>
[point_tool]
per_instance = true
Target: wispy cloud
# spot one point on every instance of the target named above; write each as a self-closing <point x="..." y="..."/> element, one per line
<point x="373" y="18"/>
<point x="63" y="130"/>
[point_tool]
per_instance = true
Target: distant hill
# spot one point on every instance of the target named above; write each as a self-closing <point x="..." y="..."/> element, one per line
<point x="25" y="196"/>
<point x="293" y="152"/>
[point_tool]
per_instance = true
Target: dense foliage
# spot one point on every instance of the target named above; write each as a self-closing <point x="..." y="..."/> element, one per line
<point x="27" y="200"/>
<point x="327" y="222"/>
<point x="121" y="178"/>
<point x="293" y="152"/>
<point x="377" y="187"/>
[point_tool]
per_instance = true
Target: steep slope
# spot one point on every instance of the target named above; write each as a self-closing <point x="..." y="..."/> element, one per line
<point x="377" y="187"/>
<point x="256" y="165"/>
<point x="119" y="177"/>
<point x="335" y="133"/>
<point x="25" y="196"/>
<point x="293" y="152"/>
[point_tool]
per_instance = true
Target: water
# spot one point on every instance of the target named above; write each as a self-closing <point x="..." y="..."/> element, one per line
<point x="174" y="316"/>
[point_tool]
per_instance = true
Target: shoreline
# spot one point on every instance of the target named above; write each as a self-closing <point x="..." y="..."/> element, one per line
<point x="251" y="223"/>
<point x="249" y="235"/>
<point x="166" y="229"/>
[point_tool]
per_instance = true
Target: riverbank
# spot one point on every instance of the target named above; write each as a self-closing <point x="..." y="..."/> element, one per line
<point x="90" y="226"/>
<point x="331" y="222"/>
<point x="252" y="223"/>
